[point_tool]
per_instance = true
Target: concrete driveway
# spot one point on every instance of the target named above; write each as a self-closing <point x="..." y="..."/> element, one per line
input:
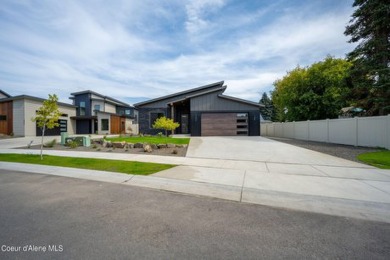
<point x="260" y="149"/>
<point x="278" y="174"/>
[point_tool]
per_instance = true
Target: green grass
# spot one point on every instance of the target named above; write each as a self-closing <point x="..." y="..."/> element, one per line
<point x="127" y="167"/>
<point x="378" y="159"/>
<point x="150" y="140"/>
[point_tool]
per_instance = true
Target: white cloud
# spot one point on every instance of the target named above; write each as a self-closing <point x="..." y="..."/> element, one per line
<point x="146" y="48"/>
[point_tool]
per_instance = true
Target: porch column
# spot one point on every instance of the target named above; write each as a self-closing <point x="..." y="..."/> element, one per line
<point x="172" y="115"/>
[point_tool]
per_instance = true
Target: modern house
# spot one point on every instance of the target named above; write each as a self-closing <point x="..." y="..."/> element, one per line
<point x="99" y="114"/>
<point x="16" y="114"/>
<point x="202" y="111"/>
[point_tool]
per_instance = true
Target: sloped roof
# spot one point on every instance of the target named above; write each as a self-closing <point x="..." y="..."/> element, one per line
<point x="5" y="93"/>
<point x="202" y="90"/>
<point x="107" y="98"/>
<point x="33" y="98"/>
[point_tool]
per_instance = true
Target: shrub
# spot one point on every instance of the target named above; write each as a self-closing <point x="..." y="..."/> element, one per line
<point x="72" y="144"/>
<point x="94" y="146"/>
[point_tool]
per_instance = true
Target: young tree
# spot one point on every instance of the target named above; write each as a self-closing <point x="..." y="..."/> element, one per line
<point x="165" y="123"/>
<point x="370" y="28"/>
<point x="267" y="111"/>
<point x="47" y="116"/>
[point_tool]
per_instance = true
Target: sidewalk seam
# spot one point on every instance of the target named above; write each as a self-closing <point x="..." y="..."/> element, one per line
<point x="242" y="187"/>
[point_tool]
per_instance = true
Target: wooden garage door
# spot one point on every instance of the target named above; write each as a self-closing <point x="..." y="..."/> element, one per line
<point x="223" y="124"/>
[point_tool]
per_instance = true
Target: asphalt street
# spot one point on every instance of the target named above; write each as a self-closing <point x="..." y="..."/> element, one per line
<point x="51" y="217"/>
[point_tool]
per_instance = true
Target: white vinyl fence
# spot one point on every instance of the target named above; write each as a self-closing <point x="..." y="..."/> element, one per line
<point x="358" y="131"/>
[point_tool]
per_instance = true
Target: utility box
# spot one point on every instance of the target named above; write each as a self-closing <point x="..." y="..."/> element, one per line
<point x="64" y="135"/>
<point x="86" y="141"/>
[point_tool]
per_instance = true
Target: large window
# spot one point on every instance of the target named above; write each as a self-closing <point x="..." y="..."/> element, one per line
<point x="104" y="124"/>
<point x="153" y="117"/>
<point x="96" y="108"/>
<point x="82" y="108"/>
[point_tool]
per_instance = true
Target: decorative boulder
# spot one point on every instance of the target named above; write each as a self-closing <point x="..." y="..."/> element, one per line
<point x="161" y="146"/>
<point x="179" y="146"/>
<point x="148" y="148"/>
<point x="130" y="145"/>
<point x="107" y="144"/>
<point x="119" y="144"/>
<point x="171" y="146"/>
<point x="154" y="147"/>
<point x="138" y="145"/>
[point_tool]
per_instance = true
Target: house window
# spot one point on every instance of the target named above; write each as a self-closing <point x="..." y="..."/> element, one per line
<point x="3" y="117"/>
<point x="154" y="116"/>
<point x="96" y="108"/>
<point x="127" y="112"/>
<point x="104" y="124"/>
<point x="82" y="108"/>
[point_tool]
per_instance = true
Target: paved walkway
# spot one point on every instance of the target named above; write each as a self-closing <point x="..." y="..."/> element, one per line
<point x="315" y="182"/>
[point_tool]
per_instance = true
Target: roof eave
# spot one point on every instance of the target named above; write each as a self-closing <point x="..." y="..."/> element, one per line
<point x="216" y="84"/>
<point x="241" y="100"/>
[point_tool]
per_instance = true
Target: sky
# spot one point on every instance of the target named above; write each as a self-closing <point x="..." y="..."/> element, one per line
<point x="137" y="50"/>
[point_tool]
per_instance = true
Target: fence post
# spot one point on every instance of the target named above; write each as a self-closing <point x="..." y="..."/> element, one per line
<point x="356" y="131"/>
<point x="388" y="132"/>
<point x="327" y="130"/>
<point x="294" y="130"/>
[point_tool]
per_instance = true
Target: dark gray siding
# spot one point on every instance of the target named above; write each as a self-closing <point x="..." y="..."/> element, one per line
<point x="144" y="120"/>
<point x="163" y="103"/>
<point x="87" y="99"/>
<point x="211" y="102"/>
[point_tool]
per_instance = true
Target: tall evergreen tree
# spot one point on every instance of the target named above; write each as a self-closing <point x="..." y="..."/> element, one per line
<point x="267" y="111"/>
<point x="370" y="74"/>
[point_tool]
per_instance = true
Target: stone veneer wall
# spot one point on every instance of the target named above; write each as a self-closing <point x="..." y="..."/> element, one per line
<point x="144" y="117"/>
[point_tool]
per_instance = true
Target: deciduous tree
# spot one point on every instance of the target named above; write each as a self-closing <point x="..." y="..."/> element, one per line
<point x="315" y="92"/>
<point x="47" y="116"/>
<point x="165" y="123"/>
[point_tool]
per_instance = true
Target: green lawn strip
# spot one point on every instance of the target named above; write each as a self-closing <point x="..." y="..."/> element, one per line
<point x="128" y="167"/>
<point x="378" y="159"/>
<point x="150" y="140"/>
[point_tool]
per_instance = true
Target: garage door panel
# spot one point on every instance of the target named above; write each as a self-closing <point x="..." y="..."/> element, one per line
<point x="220" y="124"/>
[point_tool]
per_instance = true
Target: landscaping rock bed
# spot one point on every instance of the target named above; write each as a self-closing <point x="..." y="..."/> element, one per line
<point x="123" y="147"/>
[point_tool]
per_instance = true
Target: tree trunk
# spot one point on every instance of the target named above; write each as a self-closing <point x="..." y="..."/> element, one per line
<point x="43" y="133"/>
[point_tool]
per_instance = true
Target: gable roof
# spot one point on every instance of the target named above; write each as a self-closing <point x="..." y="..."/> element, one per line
<point x="202" y="90"/>
<point x="106" y="98"/>
<point x="5" y="93"/>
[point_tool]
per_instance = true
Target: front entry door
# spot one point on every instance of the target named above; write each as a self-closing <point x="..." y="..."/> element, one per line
<point x="184" y="123"/>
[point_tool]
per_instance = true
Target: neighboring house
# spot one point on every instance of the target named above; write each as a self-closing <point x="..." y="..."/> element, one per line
<point x="16" y="114"/>
<point x="99" y="114"/>
<point x="4" y="94"/>
<point x="202" y="111"/>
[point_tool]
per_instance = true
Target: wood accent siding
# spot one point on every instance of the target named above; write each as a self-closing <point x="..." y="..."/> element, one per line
<point x="223" y="124"/>
<point x="115" y="122"/>
<point x="6" y="126"/>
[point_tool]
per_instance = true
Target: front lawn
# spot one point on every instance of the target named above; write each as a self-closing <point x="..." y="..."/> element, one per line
<point x="150" y="140"/>
<point x="378" y="159"/>
<point x="127" y="167"/>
